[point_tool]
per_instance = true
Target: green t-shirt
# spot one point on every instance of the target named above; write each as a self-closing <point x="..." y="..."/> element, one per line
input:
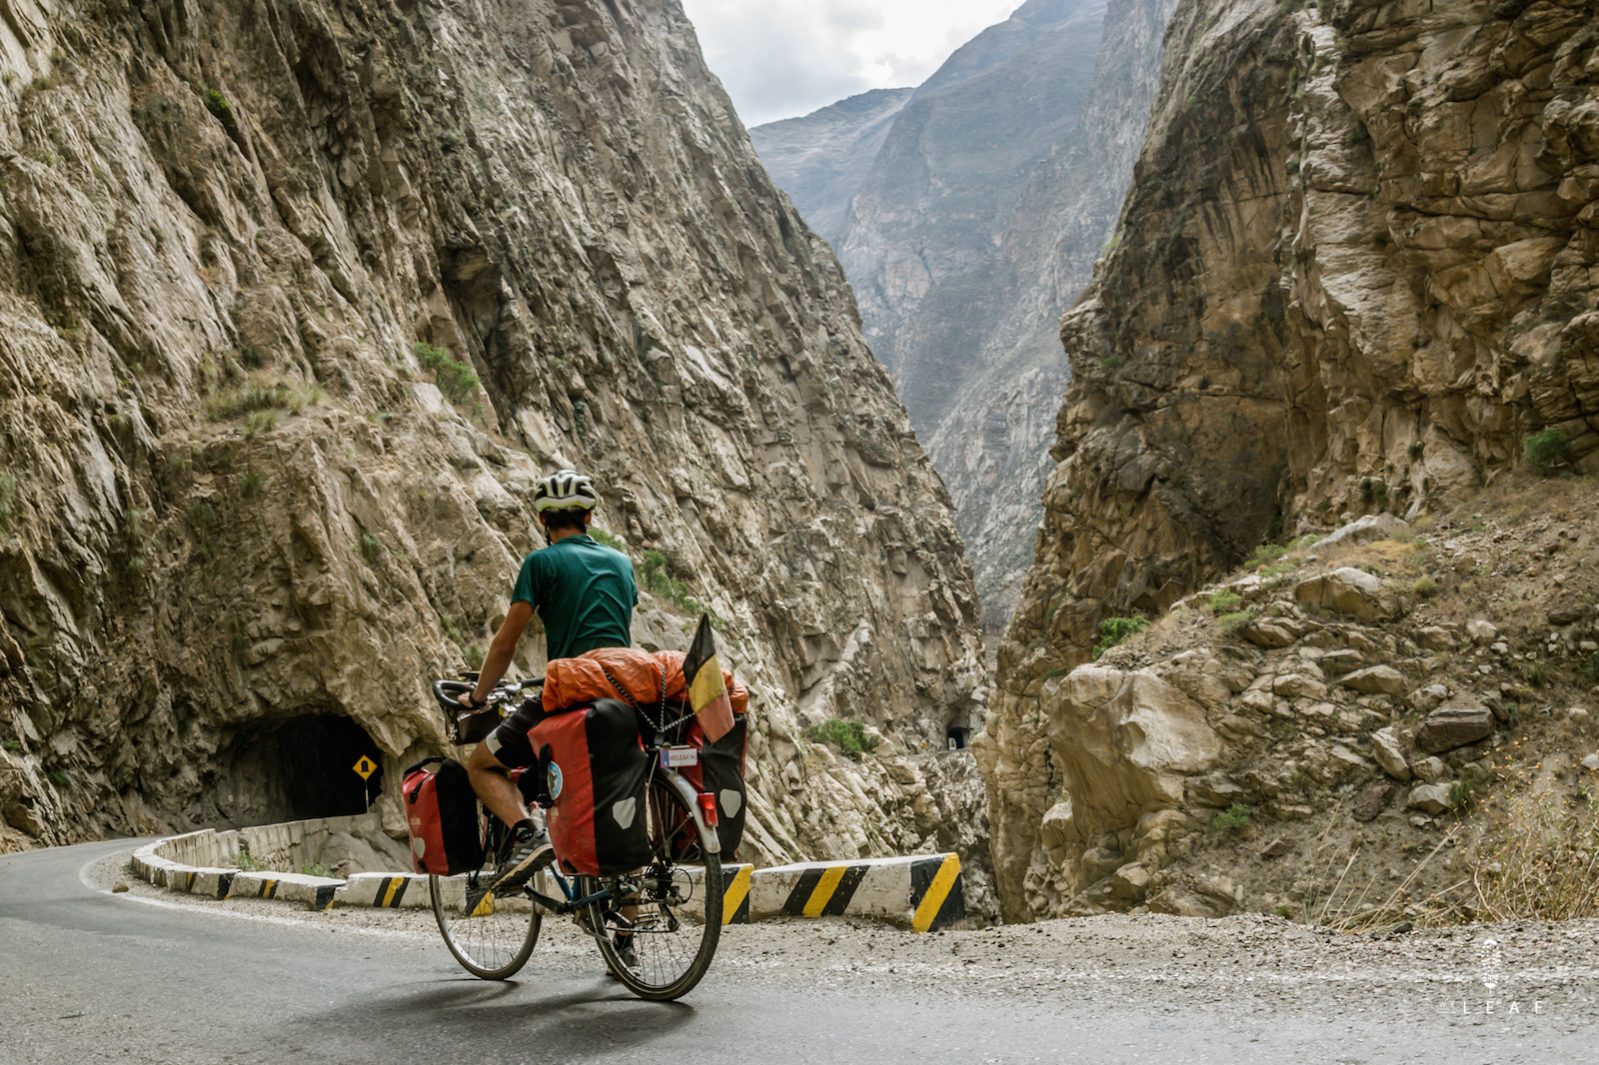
<point x="583" y="592"/>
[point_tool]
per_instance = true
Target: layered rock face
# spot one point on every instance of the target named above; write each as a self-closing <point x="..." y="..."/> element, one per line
<point x="987" y="200"/>
<point x="1355" y="272"/>
<point x="298" y="300"/>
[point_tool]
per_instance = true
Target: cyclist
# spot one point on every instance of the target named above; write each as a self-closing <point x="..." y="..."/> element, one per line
<point x="584" y="593"/>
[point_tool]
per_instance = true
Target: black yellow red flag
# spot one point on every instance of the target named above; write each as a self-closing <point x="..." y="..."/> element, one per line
<point x="707" y="691"/>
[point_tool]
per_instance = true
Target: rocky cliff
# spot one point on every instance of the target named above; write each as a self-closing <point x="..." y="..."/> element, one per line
<point x="1355" y="273"/>
<point x="991" y="190"/>
<point x="297" y="300"/>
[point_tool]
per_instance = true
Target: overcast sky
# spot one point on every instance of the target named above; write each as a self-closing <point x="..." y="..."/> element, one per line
<point x="780" y="58"/>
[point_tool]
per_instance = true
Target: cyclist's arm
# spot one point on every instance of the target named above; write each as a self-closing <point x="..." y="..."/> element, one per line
<point x="503" y="649"/>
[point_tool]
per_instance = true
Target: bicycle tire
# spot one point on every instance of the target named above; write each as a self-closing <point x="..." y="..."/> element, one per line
<point x="492" y="945"/>
<point x="657" y="980"/>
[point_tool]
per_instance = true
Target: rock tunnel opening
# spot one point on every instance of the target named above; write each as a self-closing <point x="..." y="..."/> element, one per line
<point x="296" y="768"/>
<point x="956" y="737"/>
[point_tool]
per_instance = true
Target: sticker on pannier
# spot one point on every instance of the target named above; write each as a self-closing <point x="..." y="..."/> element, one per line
<point x="441" y="816"/>
<point x="595" y="771"/>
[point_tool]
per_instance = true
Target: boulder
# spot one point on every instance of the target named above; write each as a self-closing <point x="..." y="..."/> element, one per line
<point x="1482" y="632"/>
<point x="1433" y="798"/>
<point x="1348" y="591"/>
<point x="1365" y="530"/>
<point x="1390" y="754"/>
<point x="1342" y="661"/>
<point x="1568" y="614"/>
<point x="1272" y="632"/>
<point x="1298" y="686"/>
<point x="1371" y="802"/>
<point x="1430" y="770"/>
<point x="1436" y="638"/>
<point x="1130" y="882"/>
<point x="1446" y="729"/>
<point x="1425" y="699"/>
<point x="1377" y="680"/>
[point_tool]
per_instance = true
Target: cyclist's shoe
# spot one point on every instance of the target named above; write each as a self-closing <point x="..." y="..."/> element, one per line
<point x="625" y="952"/>
<point x="528" y="853"/>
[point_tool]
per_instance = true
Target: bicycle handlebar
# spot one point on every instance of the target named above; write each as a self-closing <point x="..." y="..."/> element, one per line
<point x="447" y="692"/>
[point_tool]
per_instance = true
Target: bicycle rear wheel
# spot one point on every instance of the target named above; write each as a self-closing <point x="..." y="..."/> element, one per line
<point x="497" y="938"/>
<point x="673" y="906"/>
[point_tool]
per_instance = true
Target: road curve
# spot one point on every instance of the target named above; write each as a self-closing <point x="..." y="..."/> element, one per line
<point x="88" y="975"/>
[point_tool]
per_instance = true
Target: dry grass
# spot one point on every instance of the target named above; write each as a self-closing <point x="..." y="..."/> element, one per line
<point x="1542" y="863"/>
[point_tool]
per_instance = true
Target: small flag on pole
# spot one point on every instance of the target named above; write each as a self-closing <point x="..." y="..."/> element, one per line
<point x="707" y="691"/>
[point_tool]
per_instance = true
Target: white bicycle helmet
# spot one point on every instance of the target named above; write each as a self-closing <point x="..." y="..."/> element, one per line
<point x="565" y="490"/>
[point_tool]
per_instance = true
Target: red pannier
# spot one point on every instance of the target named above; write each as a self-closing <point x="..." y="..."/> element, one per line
<point x="441" y="814"/>
<point x="595" y="769"/>
<point x="720" y="772"/>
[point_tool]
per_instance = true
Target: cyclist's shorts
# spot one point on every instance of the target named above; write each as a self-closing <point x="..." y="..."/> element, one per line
<point x="509" y="741"/>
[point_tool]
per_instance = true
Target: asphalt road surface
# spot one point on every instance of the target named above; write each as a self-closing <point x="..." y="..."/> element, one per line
<point x="89" y="976"/>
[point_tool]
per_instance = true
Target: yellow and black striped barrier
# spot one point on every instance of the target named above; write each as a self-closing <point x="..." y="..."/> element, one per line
<point x="923" y="892"/>
<point x="385" y="891"/>
<point x="737" y="881"/>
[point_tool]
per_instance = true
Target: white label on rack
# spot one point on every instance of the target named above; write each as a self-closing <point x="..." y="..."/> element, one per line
<point x="678" y="757"/>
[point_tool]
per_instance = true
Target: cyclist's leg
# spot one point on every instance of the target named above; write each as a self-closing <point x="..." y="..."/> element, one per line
<point x="489" y="768"/>
<point x="491" y="779"/>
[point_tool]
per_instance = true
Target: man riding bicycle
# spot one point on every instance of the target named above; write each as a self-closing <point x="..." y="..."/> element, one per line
<point x="584" y="593"/>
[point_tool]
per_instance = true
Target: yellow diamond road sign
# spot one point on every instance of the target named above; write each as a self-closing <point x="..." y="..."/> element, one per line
<point x="365" y="767"/>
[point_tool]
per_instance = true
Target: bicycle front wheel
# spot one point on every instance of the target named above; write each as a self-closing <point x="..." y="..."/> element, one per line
<point x="672" y="907"/>
<point x="496" y="939"/>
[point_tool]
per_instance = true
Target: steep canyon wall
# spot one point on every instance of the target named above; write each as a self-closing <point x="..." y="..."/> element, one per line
<point x="1356" y="270"/>
<point x="297" y="300"/>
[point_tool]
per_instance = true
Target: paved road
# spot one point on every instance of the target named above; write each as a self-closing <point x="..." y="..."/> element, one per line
<point x="90" y="976"/>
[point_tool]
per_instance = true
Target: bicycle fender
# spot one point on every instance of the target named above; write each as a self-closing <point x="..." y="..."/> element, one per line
<point x="691" y="799"/>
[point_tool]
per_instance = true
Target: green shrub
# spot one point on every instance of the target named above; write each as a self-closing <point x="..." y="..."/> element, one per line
<point x="656" y="577"/>
<point x="473" y="656"/>
<point x="1233" y="818"/>
<point x="454" y="377"/>
<point x="317" y="869"/>
<point x="1265" y="554"/>
<point x="613" y="542"/>
<point x="1461" y="795"/>
<point x="1236" y="619"/>
<point x="1113" y="631"/>
<point x="258" y="395"/>
<point x="1224" y="601"/>
<point x="848" y="737"/>
<point x="250" y="483"/>
<point x="1547" y="450"/>
<point x="1590" y="667"/>
<point x="59" y="777"/>
<point x="247" y="862"/>
<point x="370" y="546"/>
<point x="1424" y="587"/>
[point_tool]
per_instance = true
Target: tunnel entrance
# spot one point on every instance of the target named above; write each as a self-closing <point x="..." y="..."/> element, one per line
<point x="295" y="769"/>
<point x="956" y="737"/>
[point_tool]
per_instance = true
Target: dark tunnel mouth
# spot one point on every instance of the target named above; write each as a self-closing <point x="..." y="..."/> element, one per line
<point x="295" y="768"/>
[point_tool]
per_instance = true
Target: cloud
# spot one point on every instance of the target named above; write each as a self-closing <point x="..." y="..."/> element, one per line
<point x="781" y="58"/>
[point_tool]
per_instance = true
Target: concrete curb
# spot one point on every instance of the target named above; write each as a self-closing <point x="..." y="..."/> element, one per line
<point x="920" y="892"/>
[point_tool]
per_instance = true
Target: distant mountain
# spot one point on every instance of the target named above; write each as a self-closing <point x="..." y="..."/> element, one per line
<point x="968" y="214"/>
<point x="822" y="158"/>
